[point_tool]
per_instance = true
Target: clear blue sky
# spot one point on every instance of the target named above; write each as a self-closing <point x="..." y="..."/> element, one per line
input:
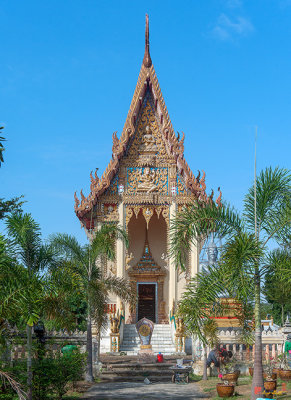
<point x="68" y="70"/>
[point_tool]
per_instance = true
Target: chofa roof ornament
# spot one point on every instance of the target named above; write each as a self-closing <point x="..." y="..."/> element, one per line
<point x="147" y="61"/>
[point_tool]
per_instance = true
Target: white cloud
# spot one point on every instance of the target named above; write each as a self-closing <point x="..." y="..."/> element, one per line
<point x="233" y="3"/>
<point x="226" y="29"/>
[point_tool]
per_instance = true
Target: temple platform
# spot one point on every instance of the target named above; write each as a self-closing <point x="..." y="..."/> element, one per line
<point x="130" y="369"/>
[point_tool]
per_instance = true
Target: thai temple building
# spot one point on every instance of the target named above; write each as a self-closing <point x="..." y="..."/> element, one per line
<point x="146" y="182"/>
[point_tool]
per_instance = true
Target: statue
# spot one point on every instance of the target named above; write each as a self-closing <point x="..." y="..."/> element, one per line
<point x="148" y="141"/>
<point x="128" y="258"/>
<point x="147" y="180"/>
<point x="212" y="255"/>
<point x="114" y="324"/>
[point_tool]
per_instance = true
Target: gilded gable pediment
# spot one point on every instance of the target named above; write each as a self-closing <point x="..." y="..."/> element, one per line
<point x="147" y="147"/>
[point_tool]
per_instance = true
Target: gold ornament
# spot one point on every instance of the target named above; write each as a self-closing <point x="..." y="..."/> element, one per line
<point x="144" y="330"/>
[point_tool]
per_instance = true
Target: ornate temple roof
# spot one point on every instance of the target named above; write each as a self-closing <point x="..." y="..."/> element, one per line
<point x="147" y="81"/>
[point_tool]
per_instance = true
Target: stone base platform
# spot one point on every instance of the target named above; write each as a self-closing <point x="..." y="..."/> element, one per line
<point x="132" y="369"/>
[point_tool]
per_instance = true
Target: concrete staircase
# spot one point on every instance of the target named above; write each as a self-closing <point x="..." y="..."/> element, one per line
<point x="161" y="340"/>
<point x="129" y="368"/>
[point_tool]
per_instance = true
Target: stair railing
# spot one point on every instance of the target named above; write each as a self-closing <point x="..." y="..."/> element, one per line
<point x="177" y="330"/>
<point x="116" y="330"/>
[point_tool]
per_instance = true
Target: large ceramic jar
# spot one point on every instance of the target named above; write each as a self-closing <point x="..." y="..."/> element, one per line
<point x="224" y="390"/>
<point x="285" y="374"/>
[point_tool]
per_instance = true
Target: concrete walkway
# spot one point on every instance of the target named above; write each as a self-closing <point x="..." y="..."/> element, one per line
<point x="141" y="391"/>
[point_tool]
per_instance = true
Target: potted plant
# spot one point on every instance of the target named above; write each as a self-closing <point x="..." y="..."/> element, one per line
<point x="269" y="373"/>
<point x="285" y="371"/>
<point x="230" y="373"/>
<point x="225" y="389"/>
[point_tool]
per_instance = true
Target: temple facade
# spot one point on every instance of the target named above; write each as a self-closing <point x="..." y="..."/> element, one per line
<point x="145" y="184"/>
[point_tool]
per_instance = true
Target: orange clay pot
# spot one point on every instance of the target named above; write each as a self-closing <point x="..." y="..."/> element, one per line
<point x="270" y="386"/>
<point x="285" y="374"/>
<point x="224" y="390"/>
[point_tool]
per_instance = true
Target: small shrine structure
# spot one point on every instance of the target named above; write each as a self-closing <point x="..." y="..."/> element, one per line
<point x="145" y="184"/>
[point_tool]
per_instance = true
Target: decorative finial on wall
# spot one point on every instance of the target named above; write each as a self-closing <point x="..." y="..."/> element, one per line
<point x="147" y="61"/>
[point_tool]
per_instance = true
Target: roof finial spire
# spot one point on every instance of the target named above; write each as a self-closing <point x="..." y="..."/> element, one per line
<point x="147" y="62"/>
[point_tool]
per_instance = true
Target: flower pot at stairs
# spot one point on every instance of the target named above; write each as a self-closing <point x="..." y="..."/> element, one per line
<point x="270" y="386"/>
<point x="273" y="376"/>
<point x="231" y="377"/>
<point x="276" y="371"/>
<point x="285" y="374"/>
<point x="224" y="390"/>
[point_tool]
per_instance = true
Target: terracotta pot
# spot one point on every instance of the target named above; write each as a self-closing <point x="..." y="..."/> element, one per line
<point x="251" y="371"/>
<point x="270" y="386"/>
<point x="273" y="376"/>
<point x="276" y="371"/>
<point x="231" y="377"/>
<point x="224" y="390"/>
<point x="285" y="374"/>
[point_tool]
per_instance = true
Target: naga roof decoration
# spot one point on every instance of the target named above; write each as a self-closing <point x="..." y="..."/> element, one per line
<point x="147" y="81"/>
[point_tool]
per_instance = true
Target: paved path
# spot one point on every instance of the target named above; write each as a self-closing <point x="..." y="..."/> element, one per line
<point x="141" y="391"/>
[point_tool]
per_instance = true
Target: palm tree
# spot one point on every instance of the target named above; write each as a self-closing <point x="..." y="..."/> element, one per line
<point x="84" y="262"/>
<point x="277" y="280"/>
<point x="24" y="285"/>
<point x="266" y="217"/>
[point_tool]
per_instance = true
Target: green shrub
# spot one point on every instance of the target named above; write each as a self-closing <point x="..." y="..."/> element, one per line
<point x="51" y="375"/>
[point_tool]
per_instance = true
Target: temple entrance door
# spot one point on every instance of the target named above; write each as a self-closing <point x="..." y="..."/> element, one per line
<point x="146" y="304"/>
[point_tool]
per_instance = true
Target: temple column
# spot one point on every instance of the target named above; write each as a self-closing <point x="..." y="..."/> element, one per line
<point x="172" y="266"/>
<point x="194" y="258"/>
<point x="120" y="250"/>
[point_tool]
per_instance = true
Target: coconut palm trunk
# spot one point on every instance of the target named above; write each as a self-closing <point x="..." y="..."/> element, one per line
<point x="29" y="361"/>
<point x="89" y="349"/>
<point x="205" y="363"/>
<point x="258" y="382"/>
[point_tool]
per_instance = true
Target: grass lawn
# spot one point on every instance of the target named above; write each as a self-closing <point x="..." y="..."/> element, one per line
<point x="242" y="391"/>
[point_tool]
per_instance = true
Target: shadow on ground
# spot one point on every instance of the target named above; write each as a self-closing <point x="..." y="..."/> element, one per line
<point x="141" y="391"/>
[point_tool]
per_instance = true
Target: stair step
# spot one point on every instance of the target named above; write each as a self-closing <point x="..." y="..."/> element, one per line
<point x="127" y="372"/>
<point x="161" y="340"/>
<point x="151" y="378"/>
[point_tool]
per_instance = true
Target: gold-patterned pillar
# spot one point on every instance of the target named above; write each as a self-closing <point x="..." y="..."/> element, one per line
<point x="161" y="303"/>
<point x="120" y="250"/>
<point x="172" y="266"/>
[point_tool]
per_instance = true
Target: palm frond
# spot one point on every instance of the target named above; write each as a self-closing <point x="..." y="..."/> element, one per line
<point x="26" y="235"/>
<point x="273" y="195"/>
<point x="14" y="385"/>
<point x="121" y="287"/>
<point x="196" y="222"/>
<point x="200" y="300"/>
<point x="104" y="241"/>
<point x="67" y="246"/>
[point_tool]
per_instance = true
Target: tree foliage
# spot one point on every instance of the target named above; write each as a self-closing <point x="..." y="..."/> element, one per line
<point x="84" y="264"/>
<point x="278" y="281"/>
<point x="266" y="216"/>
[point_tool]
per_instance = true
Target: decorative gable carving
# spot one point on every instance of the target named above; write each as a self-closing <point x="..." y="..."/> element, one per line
<point x="148" y="158"/>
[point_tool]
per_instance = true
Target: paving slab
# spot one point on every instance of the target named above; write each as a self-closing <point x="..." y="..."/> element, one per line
<point x="142" y="391"/>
